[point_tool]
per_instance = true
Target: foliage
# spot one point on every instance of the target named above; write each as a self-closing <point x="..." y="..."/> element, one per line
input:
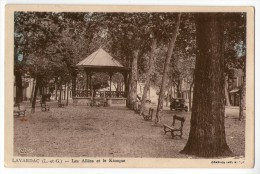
<point x="50" y="44"/>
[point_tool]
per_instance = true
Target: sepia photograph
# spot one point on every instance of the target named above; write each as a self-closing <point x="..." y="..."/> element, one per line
<point x="107" y="88"/>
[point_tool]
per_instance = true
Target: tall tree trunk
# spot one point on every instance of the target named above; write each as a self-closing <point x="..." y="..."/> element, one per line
<point x="74" y="82"/>
<point x="170" y="90"/>
<point x="33" y="88"/>
<point x="19" y="86"/>
<point x="242" y="106"/>
<point x="167" y="95"/>
<point x="148" y="75"/>
<point x="158" y="117"/>
<point x="67" y="102"/>
<point x="179" y="94"/>
<point x="60" y="98"/>
<point x="133" y="80"/>
<point x="207" y="132"/>
<point x="226" y="92"/>
<point x="128" y="89"/>
<point x="35" y="94"/>
<point x="64" y="97"/>
<point x="56" y="93"/>
<point x="190" y="94"/>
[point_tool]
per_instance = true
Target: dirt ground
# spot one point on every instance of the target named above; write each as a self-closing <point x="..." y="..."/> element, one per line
<point x="78" y="131"/>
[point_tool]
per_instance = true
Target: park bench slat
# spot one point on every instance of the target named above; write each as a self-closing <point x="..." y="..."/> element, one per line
<point x="173" y="129"/>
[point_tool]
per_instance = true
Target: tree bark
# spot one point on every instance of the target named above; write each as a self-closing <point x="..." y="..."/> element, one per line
<point x="35" y="94"/>
<point x="148" y="75"/>
<point x="179" y="94"/>
<point x="133" y="80"/>
<point x="56" y="93"/>
<point x="191" y="85"/>
<point x="74" y="78"/>
<point x="60" y="98"/>
<point x="170" y="89"/>
<point x="67" y="102"/>
<point x="207" y="132"/>
<point x="226" y="93"/>
<point x="33" y="88"/>
<point x="242" y="106"/>
<point x="167" y="99"/>
<point x="158" y="117"/>
<point x="19" y="86"/>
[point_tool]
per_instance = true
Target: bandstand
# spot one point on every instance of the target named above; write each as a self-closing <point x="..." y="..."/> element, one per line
<point x="99" y="61"/>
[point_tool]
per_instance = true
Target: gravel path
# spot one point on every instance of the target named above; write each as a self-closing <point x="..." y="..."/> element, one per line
<point x="78" y="131"/>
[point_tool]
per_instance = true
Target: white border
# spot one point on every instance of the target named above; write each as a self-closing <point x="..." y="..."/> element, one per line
<point x="254" y="3"/>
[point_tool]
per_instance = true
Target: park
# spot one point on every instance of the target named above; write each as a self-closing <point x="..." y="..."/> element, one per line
<point x="79" y="131"/>
<point x="139" y="85"/>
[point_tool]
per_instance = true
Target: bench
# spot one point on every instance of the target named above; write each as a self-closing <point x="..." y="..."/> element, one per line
<point x="149" y="116"/>
<point x="174" y="131"/>
<point x="60" y="105"/>
<point x="44" y="107"/>
<point x="18" y="111"/>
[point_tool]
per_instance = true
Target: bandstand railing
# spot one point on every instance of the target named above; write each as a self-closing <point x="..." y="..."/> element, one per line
<point x="108" y="94"/>
<point x="82" y="93"/>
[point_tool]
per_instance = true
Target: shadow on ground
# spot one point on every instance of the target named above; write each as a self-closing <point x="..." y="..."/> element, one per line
<point x="78" y="131"/>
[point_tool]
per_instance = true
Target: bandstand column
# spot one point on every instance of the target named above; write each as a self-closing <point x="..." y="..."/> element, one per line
<point x="86" y="72"/>
<point x="90" y="83"/>
<point x="110" y="78"/>
<point x="126" y="83"/>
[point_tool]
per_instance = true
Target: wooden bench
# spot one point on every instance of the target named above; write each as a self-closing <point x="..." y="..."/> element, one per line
<point x="175" y="131"/>
<point x="149" y="116"/>
<point x="18" y="111"/>
<point x="44" y="107"/>
<point x="60" y="104"/>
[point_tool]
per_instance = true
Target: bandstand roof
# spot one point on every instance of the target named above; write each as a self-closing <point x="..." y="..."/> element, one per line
<point x="100" y="59"/>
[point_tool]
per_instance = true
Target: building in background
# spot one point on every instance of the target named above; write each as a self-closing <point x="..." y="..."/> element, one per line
<point x="234" y="87"/>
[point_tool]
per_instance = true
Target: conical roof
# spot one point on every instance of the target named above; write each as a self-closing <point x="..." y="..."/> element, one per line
<point x="99" y="58"/>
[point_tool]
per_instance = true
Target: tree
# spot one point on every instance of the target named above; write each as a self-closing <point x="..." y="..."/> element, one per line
<point x="126" y="31"/>
<point x="36" y="34"/>
<point x="207" y="132"/>
<point x="235" y="51"/>
<point x="242" y="107"/>
<point x="165" y="71"/>
<point x="149" y="73"/>
<point x="50" y="45"/>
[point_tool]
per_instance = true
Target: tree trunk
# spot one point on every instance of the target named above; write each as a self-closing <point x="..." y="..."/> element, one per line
<point x="179" y="94"/>
<point x="35" y="94"/>
<point x="64" y="93"/>
<point x="226" y="93"/>
<point x="128" y="89"/>
<point x="60" y="98"/>
<point x="190" y="95"/>
<point x="74" y="81"/>
<point x="158" y="117"/>
<point x="67" y="102"/>
<point x="56" y="93"/>
<point x="167" y="99"/>
<point x="19" y="86"/>
<point x="170" y="90"/>
<point x="33" y="89"/>
<point x="148" y="75"/>
<point x="207" y="132"/>
<point x="242" y="106"/>
<point x="133" y="80"/>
